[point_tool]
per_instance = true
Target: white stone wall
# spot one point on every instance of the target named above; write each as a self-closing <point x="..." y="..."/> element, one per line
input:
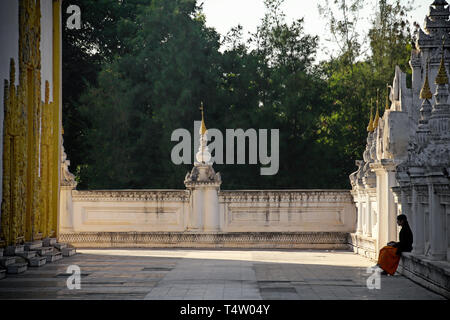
<point x="9" y="39"/>
<point x="126" y="211"/>
<point x="287" y="211"/>
<point x="240" y="211"/>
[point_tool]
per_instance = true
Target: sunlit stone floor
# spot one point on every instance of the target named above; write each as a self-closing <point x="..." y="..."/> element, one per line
<point x="177" y="274"/>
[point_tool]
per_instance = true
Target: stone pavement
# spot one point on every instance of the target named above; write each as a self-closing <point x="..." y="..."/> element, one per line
<point x="214" y="274"/>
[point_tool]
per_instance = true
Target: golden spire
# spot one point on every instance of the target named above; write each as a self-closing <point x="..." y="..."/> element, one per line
<point x="203" y="128"/>
<point x="442" y="73"/>
<point x="370" y="126"/>
<point x="377" y="115"/>
<point x="425" y="93"/>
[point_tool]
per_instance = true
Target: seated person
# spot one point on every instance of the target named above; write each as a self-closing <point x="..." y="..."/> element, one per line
<point x="389" y="256"/>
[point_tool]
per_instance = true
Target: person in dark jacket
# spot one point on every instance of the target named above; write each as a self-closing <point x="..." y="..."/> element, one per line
<point x="389" y="256"/>
<point x="405" y="236"/>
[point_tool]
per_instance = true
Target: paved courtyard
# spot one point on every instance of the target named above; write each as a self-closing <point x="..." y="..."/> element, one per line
<point x="177" y="274"/>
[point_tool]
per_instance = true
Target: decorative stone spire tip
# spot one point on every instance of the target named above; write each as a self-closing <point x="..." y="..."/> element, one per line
<point x="442" y="78"/>
<point x="203" y="126"/>
<point x="370" y="126"/>
<point x="425" y="93"/>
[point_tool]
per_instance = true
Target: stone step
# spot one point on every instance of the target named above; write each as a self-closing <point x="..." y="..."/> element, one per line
<point x="54" y="256"/>
<point x="33" y="245"/>
<point x="37" y="261"/>
<point x="60" y="246"/>
<point x="12" y="250"/>
<point x="27" y="254"/>
<point x="68" y="252"/>
<point x="48" y="242"/>
<point x="17" y="267"/>
<point x="44" y="250"/>
<point x="2" y="274"/>
<point x="6" y="261"/>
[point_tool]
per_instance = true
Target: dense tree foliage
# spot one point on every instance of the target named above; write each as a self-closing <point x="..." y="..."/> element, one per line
<point x="138" y="69"/>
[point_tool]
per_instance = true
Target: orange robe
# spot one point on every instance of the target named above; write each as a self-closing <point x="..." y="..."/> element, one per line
<point x="388" y="260"/>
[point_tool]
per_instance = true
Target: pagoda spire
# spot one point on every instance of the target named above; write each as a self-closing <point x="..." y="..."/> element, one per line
<point x="437" y="19"/>
<point x="370" y="127"/>
<point x="377" y="115"/>
<point x="425" y="92"/>
<point x="203" y="126"/>
<point x="442" y="78"/>
<point x="203" y="155"/>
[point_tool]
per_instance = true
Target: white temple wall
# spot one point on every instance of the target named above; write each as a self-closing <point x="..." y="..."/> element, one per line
<point x="240" y="211"/>
<point x="127" y="211"/>
<point x="9" y="39"/>
<point x="287" y="211"/>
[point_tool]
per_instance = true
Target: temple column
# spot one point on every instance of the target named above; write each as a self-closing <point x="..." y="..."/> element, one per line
<point x="369" y="213"/>
<point x="387" y="228"/>
<point x="358" y="199"/>
<point x="438" y="236"/>
<point x="419" y="223"/>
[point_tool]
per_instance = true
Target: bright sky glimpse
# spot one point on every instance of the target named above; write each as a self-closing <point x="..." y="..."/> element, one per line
<point x="225" y="14"/>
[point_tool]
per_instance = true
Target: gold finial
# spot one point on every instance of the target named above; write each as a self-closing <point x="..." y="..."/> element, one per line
<point x="370" y="126"/>
<point x="387" y="107"/>
<point x="442" y="73"/>
<point x="377" y="115"/>
<point x="425" y="93"/>
<point x="203" y="130"/>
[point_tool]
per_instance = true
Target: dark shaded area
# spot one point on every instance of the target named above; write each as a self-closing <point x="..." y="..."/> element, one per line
<point x="138" y="69"/>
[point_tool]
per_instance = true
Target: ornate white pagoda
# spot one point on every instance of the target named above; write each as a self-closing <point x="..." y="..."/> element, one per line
<point x="408" y="150"/>
<point x="204" y="185"/>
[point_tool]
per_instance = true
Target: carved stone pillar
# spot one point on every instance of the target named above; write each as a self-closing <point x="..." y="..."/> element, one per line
<point x="204" y="185"/>
<point x="387" y="228"/>
<point x="438" y="185"/>
<point x="358" y="199"/>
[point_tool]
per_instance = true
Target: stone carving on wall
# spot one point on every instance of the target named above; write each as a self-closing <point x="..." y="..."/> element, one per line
<point x="67" y="178"/>
<point x="130" y="195"/>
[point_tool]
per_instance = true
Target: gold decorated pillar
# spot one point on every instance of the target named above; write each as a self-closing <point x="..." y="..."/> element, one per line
<point x="13" y="208"/>
<point x="56" y="116"/>
<point x="30" y="66"/>
<point x="31" y="134"/>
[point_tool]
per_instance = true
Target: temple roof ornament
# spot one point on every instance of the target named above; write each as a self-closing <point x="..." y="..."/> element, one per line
<point x="437" y="24"/>
<point x="377" y="118"/>
<point x="442" y="73"/>
<point x="203" y="174"/>
<point x="437" y="18"/>
<point x="370" y="127"/>
<point x="377" y="115"/>
<point x="203" y="126"/>
<point x="203" y="155"/>
<point x="425" y="92"/>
